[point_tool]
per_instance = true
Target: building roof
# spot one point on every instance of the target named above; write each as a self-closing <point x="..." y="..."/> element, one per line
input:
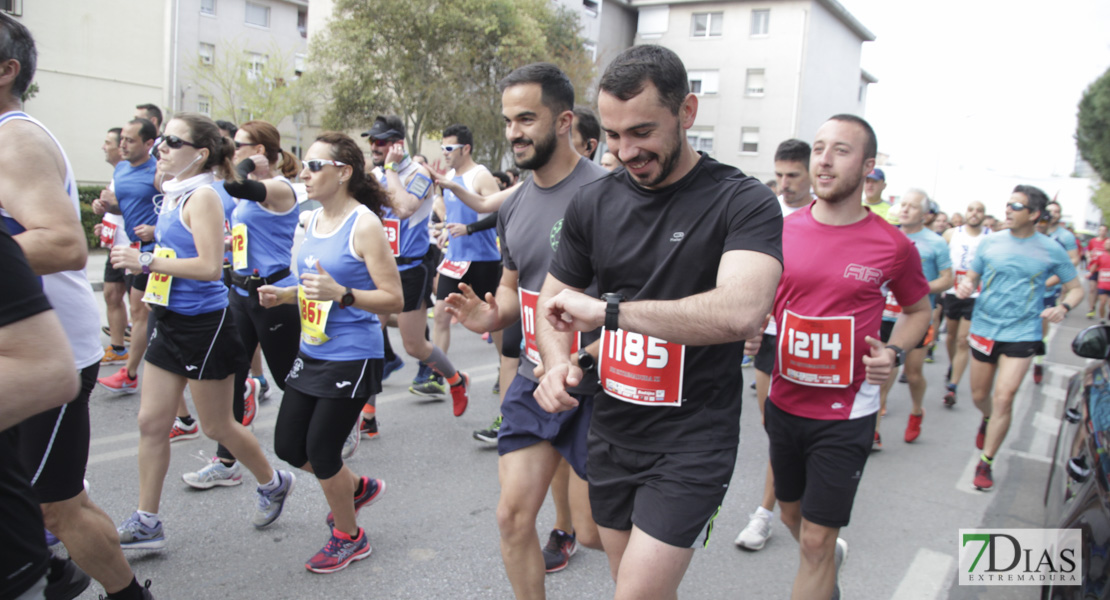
<point x="833" y="6"/>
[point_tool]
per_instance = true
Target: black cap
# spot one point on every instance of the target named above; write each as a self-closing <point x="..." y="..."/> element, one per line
<point x="386" y="128"/>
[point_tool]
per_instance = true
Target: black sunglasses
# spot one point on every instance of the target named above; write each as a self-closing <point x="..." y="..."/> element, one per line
<point x="1016" y="206"/>
<point x="316" y="164"/>
<point x="241" y="144"/>
<point x="175" y="142"/>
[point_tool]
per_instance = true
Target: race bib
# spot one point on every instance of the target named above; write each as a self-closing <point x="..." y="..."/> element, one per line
<point x="239" y="247"/>
<point x="1104" y="276"/>
<point x="961" y="275"/>
<point x="393" y="235"/>
<point x="892" y="308"/>
<point x="528" y="302"/>
<point x="641" y="369"/>
<point x="314" y="318"/>
<point x="455" y="269"/>
<point x="107" y="233"/>
<point x="158" y="285"/>
<point x="980" y="343"/>
<point x="817" y="351"/>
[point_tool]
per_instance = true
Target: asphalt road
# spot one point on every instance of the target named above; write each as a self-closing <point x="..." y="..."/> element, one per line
<point x="434" y="532"/>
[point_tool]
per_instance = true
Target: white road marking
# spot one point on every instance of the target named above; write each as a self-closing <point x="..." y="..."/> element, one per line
<point x="927" y="578"/>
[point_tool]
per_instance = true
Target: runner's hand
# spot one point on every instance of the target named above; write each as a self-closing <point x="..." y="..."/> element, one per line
<point x="574" y="311"/>
<point x="1054" y="314"/>
<point x="964" y="290"/>
<point x="321" y="286"/>
<point x="125" y="257"/>
<point x="471" y="311"/>
<point x="396" y="153"/>
<point x="552" y="394"/>
<point x="145" y="232"/>
<point x="751" y="347"/>
<point x="261" y="167"/>
<point x="456" y="229"/>
<point x="879" y="364"/>
<point x="272" y="295"/>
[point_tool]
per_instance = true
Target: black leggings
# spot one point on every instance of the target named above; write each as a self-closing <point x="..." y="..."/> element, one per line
<point x="313" y="430"/>
<point x="278" y="331"/>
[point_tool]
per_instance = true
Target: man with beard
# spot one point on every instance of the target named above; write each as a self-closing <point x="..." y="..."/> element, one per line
<point x="820" y="415"/>
<point x="409" y="188"/>
<point x="962" y="241"/>
<point x="1052" y="287"/>
<point x="687" y="253"/>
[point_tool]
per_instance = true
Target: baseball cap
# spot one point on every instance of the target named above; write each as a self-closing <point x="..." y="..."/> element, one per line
<point x="383" y="129"/>
<point x="874" y="174"/>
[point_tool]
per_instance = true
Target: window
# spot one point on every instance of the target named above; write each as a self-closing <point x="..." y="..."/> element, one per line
<point x="208" y="7"/>
<point x="749" y="140"/>
<point x="298" y="64"/>
<point x="703" y="82"/>
<point x="591" y="50"/>
<point x="706" y="24"/>
<point x="258" y="14"/>
<point x="754" y="88"/>
<point x="207" y="53"/>
<point x="653" y="20"/>
<point x="591" y="7"/>
<point x="204" y="105"/>
<point x="12" y="7"/>
<point x="701" y="140"/>
<point x="302" y="23"/>
<point x="761" y="21"/>
<point x="256" y="63"/>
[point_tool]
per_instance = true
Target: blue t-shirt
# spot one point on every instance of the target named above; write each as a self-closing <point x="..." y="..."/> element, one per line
<point x="478" y="246"/>
<point x="934" y="256"/>
<point x="1012" y="272"/>
<point x="187" y="296"/>
<point x="1067" y="240"/>
<point x="135" y="192"/>
<point x="269" y="240"/>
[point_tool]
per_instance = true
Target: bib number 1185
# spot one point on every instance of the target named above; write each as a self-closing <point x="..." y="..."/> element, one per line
<point x="641" y="369"/>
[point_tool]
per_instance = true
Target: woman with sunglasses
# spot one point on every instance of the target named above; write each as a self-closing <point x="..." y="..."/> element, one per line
<point x="348" y="277"/>
<point x="193" y="339"/>
<point x="261" y="226"/>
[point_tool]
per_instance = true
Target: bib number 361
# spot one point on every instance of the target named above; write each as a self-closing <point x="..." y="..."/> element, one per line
<point x="817" y="351"/>
<point x="641" y="369"/>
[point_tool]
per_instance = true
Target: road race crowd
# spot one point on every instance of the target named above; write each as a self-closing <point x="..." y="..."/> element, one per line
<point x="622" y="294"/>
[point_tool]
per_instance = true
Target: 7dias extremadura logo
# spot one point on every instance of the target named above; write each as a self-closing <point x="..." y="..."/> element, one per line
<point x="1020" y="556"/>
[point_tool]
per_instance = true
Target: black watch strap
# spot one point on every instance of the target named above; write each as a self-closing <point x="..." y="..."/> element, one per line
<point x="586" y="361"/>
<point x="899" y="355"/>
<point x="347" y="299"/>
<point x="612" y="310"/>
<point x="1066" y="306"/>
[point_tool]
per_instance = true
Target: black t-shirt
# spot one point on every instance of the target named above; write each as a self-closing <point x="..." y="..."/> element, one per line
<point x="664" y="245"/>
<point x="23" y="554"/>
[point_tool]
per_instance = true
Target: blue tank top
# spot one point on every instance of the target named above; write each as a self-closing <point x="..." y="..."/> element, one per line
<point x="353" y="334"/>
<point x="269" y="240"/>
<point x="229" y="205"/>
<point x="187" y="296"/>
<point x="414" y="230"/>
<point x="478" y="246"/>
<point x="135" y="192"/>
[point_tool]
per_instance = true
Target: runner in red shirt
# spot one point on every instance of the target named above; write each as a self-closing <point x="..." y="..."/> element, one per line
<point x="1096" y="247"/>
<point x="824" y="396"/>
<point x="1100" y="276"/>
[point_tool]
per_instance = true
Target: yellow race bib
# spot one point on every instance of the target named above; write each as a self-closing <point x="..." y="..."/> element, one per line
<point x="314" y="318"/>
<point x="239" y="247"/>
<point x="158" y="286"/>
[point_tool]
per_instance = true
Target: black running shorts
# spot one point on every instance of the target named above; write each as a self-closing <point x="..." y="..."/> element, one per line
<point x="336" y="378"/>
<point x="512" y="338"/>
<point x="764" y="360"/>
<point x="416" y="284"/>
<point x="1011" y="349"/>
<point x="524" y="423"/>
<point x="673" y="497"/>
<point x="957" y="308"/>
<point x="818" y="462"/>
<point x="112" y="275"/>
<point x="482" y="276"/>
<point x="54" y="445"/>
<point x="205" y="346"/>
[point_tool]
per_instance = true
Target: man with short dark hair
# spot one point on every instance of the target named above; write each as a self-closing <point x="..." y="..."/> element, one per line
<point x="963" y="241"/>
<point x="110" y="232"/>
<point x="1005" y="327"/>
<point x="687" y="252"/>
<point x="1052" y="290"/>
<point x="586" y="134"/>
<point x="150" y="112"/>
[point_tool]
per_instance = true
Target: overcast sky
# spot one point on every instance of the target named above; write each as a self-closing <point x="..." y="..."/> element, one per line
<point x="969" y="85"/>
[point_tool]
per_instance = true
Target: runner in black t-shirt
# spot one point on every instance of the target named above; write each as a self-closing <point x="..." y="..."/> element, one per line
<point x="693" y="249"/>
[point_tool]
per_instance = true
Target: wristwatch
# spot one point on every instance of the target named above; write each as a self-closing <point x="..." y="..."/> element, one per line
<point x="899" y="355"/>
<point x="586" y="361"/>
<point x="347" y="299"/>
<point x="391" y="166"/>
<point x="145" y="260"/>
<point x="1067" y="307"/>
<point x="612" y="310"/>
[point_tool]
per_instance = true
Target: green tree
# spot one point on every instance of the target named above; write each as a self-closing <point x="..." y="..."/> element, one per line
<point x="437" y="62"/>
<point x="244" y="85"/>
<point x="1092" y="134"/>
<point x="1101" y="198"/>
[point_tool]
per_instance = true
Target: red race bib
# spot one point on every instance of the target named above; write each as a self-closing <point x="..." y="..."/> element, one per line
<point x="107" y="233"/>
<point x="641" y="369"/>
<point x="980" y="343"/>
<point x="817" y="351"/>
<point x="528" y="301"/>
<point x="892" y="308"/>
<point x="393" y="234"/>
<point x="455" y="269"/>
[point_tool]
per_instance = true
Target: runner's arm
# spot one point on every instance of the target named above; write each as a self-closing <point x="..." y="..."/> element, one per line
<point x="480" y="314"/>
<point x="1072" y="295"/>
<point x="34" y="355"/>
<point x="204" y="215"/>
<point x="372" y="244"/>
<point x="554" y="347"/>
<point x="968" y="286"/>
<point x="403" y="202"/>
<point x="476" y="201"/>
<point x="941" y="283"/>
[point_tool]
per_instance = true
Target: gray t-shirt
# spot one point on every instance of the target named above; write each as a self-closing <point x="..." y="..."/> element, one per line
<point x="529" y="225"/>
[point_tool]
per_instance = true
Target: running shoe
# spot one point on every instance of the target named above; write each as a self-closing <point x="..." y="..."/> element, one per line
<point x="120" y="383"/>
<point x="133" y="534"/>
<point x="877" y="445"/>
<point x="217" y="473"/>
<point x="746" y="362"/>
<point x="350" y="445"/>
<point x="913" y="427"/>
<point x="65" y="580"/>
<point x="126" y="333"/>
<point x="427" y="383"/>
<point x="496" y="385"/>
<point x="372" y="489"/>
<point x="250" y="401"/>
<point x="264" y="391"/>
<point x="560" y="547"/>
<point x="369" y="427"/>
<point x="981" y="437"/>
<point x="270" y="503"/>
<point x="839" y="554"/>
<point x="950" y="395"/>
<point x="181" y="432"/>
<point x="948" y="375"/>
<point x="460" y="394"/>
<point x="393" y="365"/>
<point x="929" y="354"/>
<point x="339" y="552"/>
<point x="111" y="357"/>
<point x="1091" y="315"/>
<point x="983" y="478"/>
<point x="1038" y="374"/>
<point x="756" y="534"/>
<point x="489" y="434"/>
<point x="752" y="386"/>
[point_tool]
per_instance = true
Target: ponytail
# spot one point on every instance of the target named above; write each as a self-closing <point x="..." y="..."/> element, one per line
<point x="290" y="165"/>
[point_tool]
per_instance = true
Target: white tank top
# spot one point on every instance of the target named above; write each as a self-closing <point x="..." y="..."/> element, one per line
<point x="69" y="292"/>
<point x="961" y="249"/>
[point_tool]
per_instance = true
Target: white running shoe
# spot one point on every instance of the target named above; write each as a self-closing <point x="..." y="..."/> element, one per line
<point x="351" y="444"/>
<point x="215" y="474"/>
<point x="756" y="534"/>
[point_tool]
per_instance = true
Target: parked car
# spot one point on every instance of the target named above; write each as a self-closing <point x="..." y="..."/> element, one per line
<point x="1078" y="491"/>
